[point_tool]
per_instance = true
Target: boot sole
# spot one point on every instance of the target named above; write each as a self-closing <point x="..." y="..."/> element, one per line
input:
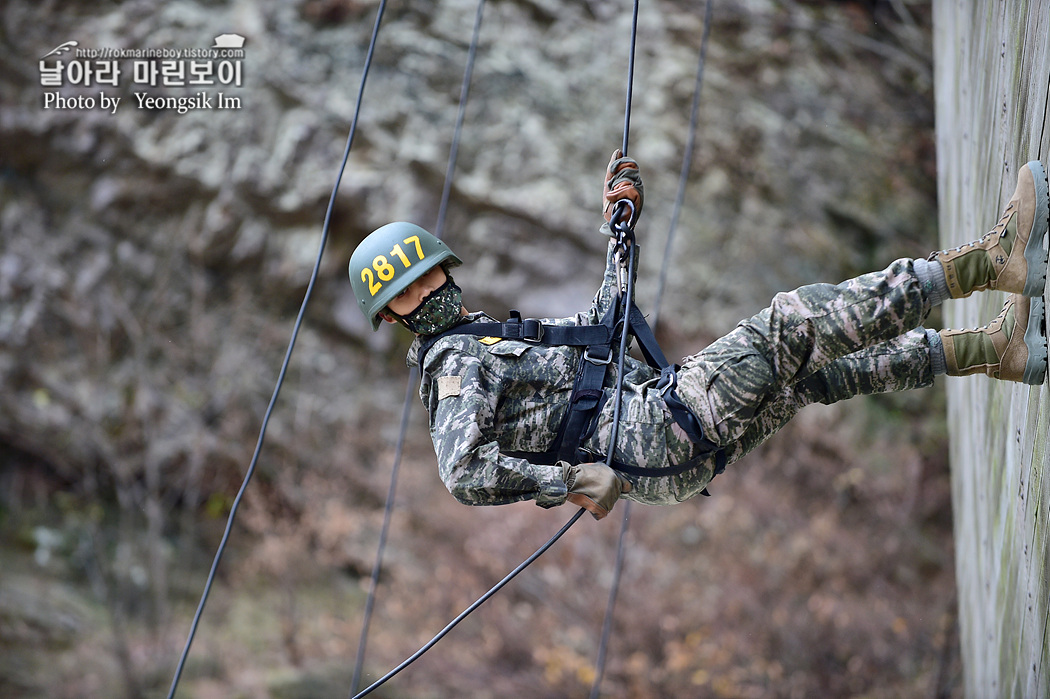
<point x="1035" y="250"/>
<point x="1035" y="341"/>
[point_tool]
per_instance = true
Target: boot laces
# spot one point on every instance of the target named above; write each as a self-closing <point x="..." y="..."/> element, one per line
<point x="980" y="241"/>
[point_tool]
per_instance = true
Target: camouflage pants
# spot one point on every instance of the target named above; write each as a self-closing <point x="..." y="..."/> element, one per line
<point x="819" y="343"/>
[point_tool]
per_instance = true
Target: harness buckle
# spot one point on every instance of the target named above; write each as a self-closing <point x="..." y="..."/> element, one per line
<point x="598" y="360"/>
<point x="527" y="330"/>
<point x="668" y="381"/>
<point x="535" y="326"/>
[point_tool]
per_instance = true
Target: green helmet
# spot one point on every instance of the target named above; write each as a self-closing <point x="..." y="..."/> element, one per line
<point x="389" y="260"/>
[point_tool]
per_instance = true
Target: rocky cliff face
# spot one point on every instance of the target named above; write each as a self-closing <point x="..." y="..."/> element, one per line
<point x="146" y="237"/>
<point x="151" y="261"/>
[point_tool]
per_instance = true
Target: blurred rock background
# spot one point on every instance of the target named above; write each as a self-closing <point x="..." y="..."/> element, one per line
<point x="152" y="263"/>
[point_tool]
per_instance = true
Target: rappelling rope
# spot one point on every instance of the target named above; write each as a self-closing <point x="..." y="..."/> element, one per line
<point x="384" y="530"/>
<point x="683" y="179"/>
<point x="413" y="374"/>
<point x="464" y="93"/>
<point x="466" y="612"/>
<point x="628" y="298"/>
<point x="687" y="161"/>
<point x="614" y="588"/>
<point x="287" y="357"/>
<point x="624" y="234"/>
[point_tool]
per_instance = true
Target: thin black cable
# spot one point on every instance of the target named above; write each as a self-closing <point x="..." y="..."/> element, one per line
<point x="624" y="338"/>
<point x="614" y="590"/>
<point x="679" y="199"/>
<point x="687" y="160"/>
<point x="466" y="612"/>
<point x="464" y="93"/>
<point x="626" y="236"/>
<point x="377" y="566"/>
<point x="413" y="375"/>
<point x="284" y="365"/>
<point x="599" y="668"/>
<point x="440" y="224"/>
<point x="630" y="79"/>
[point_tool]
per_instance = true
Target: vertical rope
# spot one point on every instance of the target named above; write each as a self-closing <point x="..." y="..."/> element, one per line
<point x="610" y="605"/>
<point x="687" y="160"/>
<point x="630" y="80"/>
<point x="599" y="666"/>
<point x="413" y="375"/>
<point x="284" y="365"/>
<point x="603" y="643"/>
<point x="377" y="566"/>
<point x="464" y="93"/>
<point x="683" y="178"/>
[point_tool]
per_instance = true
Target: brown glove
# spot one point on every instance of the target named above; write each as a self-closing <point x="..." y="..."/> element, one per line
<point x="594" y="486"/>
<point x="623" y="180"/>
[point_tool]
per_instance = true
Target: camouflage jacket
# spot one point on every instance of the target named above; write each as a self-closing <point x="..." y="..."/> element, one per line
<point x="486" y="396"/>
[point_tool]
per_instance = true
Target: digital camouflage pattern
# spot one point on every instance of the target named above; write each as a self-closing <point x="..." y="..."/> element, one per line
<point x="439" y="311"/>
<point x="817" y="344"/>
<point x="820" y="343"/>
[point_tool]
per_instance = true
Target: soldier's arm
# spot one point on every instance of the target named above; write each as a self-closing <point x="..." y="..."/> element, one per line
<point x="484" y="476"/>
<point x="462" y="409"/>
<point x="607" y="292"/>
<point x="623" y="188"/>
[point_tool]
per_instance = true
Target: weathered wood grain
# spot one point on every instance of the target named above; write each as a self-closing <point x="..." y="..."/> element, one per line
<point x="992" y="69"/>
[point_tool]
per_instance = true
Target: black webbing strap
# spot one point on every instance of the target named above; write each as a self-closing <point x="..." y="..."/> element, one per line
<point x="529" y="330"/>
<point x="667" y="386"/>
<point x="587" y="392"/>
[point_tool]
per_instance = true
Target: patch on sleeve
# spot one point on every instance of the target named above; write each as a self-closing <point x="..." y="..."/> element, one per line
<point x="448" y="386"/>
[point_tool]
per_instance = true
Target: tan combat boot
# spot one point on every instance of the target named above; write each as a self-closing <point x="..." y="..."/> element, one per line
<point x="1013" y="256"/>
<point x="1012" y="347"/>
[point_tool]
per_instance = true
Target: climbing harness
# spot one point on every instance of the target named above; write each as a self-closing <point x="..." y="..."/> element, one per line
<point x="596" y="341"/>
<point x="622" y="320"/>
<point x="287" y="357"/>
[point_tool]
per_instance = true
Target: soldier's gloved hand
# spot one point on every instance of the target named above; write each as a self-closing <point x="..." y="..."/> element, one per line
<point x="593" y="486"/>
<point x="623" y="180"/>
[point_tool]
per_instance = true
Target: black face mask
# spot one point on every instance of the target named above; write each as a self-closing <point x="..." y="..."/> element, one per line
<point x="440" y="310"/>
